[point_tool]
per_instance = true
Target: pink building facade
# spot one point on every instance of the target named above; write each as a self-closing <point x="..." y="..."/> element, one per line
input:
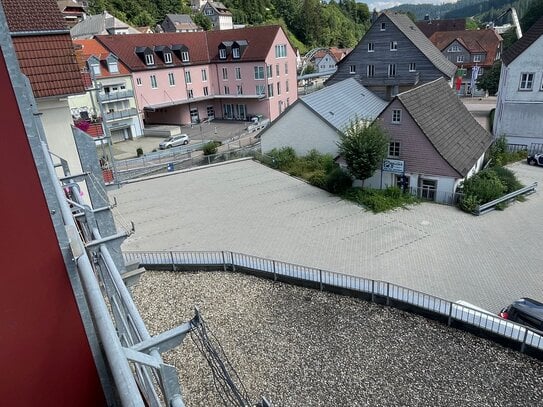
<point x="183" y="78"/>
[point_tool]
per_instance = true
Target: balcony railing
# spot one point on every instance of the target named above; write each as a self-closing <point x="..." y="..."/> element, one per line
<point x="121" y="114"/>
<point x="107" y="97"/>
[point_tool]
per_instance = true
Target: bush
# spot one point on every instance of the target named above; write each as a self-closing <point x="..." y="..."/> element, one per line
<point x="500" y="154"/>
<point x="317" y="178"/>
<point x="508" y="178"/>
<point x="211" y="147"/>
<point x="282" y="158"/>
<point x="483" y="187"/>
<point x="380" y="200"/>
<point x="468" y="203"/>
<point x="139" y="151"/>
<point x="337" y="181"/>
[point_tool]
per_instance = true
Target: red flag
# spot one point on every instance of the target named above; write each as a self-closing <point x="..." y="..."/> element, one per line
<point x="458" y="82"/>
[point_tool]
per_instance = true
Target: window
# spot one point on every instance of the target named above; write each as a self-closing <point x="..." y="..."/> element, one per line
<point x="260" y="89"/>
<point x="270" y="90"/>
<point x="113" y="67"/>
<point x="204" y="75"/>
<point x="286" y="68"/>
<point x="277" y="73"/>
<point x="190" y="94"/>
<point x="138" y="82"/>
<point x="238" y="72"/>
<point x="281" y="51"/>
<point x="352" y="69"/>
<point x="235" y="53"/>
<point x="396" y="116"/>
<point x="269" y="71"/>
<point x="240" y="90"/>
<point x="412" y="67"/>
<point x="154" y="84"/>
<point x="286" y="85"/>
<point x="149" y="59"/>
<point x="370" y="71"/>
<point x="391" y="70"/>
<point x="225" y="73"/>
<point x="222" y="53"/>
<point x="477" y="58"/>
<point x="371" y="46"/>
<point x="171" y="79"/>
<point x="383" y="26"/>
<point x="185" y="56"/>
<point x="187" y="77"/>
<point x="278" y="88"/>
<point x="394" y="149"/>
<point x="259" y="72"/>
<point x="526" y="81"/>
<point x="460" y="58"/>
<point x="206" y="91"/>
<point x="168" y="58"/>
<point x="454" y="48"/>
<point x="394" y="45"/>
<point x="95" y="69"/>
<point x="226" y="90"/>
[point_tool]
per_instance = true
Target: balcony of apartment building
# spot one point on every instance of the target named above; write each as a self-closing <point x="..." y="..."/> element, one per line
<point x="104" y="97"/>
<point x="119" y="114"/>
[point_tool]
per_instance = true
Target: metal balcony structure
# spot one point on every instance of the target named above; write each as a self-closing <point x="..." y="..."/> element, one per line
<point x="113" y="96"/>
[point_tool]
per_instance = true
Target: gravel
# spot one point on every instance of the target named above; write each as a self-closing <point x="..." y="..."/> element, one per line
<point x="303" y="347"/>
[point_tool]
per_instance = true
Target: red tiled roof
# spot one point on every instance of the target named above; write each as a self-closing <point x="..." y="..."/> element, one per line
<point x="87" y="48"/>
<point x="50" y="64"/>
<point x="33" y="15"/>
<point x="428" y="27"/>
<point x="475" y="41"/>
<point x="203" y="46"/>
<point x="529" y="37"/>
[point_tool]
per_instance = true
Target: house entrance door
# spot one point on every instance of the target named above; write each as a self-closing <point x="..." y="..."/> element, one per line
<point x="427" y="189"/>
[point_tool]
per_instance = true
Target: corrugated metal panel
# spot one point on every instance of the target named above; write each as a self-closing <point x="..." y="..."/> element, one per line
<point x="342" y="102"/>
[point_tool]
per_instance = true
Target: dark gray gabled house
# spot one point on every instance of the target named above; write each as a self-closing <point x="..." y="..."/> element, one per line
<point x="393" y="57"/>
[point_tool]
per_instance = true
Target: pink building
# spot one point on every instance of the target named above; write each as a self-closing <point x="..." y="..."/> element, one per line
<point x="182" y="78"/>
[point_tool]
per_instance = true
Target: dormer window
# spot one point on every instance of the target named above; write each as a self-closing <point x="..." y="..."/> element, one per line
<point x="222" y="53"/>
<point x="182" y="52"/>
<point x="149" y="59"/>
<point x="112" y="65"/>
<point x="235" y="53"/>
<point x="94" y="66"/>
<point x="146" y="55"/>
<point x="168" y="58"/>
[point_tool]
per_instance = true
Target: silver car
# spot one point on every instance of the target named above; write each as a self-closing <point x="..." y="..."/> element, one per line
<point x="174" y="141"/>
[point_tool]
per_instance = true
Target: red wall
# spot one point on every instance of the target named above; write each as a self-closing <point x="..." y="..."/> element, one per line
<point x="44" y="353"/>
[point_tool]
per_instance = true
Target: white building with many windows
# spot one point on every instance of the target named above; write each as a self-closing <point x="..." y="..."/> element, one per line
<point x="519" y="110"/>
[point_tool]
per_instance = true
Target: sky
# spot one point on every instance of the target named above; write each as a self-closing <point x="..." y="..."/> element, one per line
<point x="384" y="4"/>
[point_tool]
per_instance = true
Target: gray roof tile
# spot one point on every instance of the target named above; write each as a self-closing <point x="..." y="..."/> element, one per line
<point x="449" y="126"/>
<point x="415" y="35"/>
<point x="340" y="103"/>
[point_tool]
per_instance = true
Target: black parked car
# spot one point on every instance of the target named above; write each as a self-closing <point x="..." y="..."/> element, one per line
<point x="535" y="159"/>
<point x="525" y="311"/>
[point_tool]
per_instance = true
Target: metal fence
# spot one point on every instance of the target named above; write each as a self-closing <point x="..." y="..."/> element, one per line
<point x="490" y="206"/>
<point x="379" y="291"/>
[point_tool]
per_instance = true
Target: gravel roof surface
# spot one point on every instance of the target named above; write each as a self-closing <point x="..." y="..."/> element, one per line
<point x="303" y="347"/>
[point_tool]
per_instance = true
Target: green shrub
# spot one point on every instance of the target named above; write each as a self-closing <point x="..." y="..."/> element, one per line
<point x="282" y="158"/>
<point x="485" y="186"/>
<point x="337" y="181"/>
<point x="468" y="203"/>
<point x="380" y="200"/>
<point x="317" y="178"/>
<point x="211" y="147"/>
<point x="139" y="151"/>
<point x="315" y="160"/>
<point x="500" y="155"/>
<point x="508" y="178"/>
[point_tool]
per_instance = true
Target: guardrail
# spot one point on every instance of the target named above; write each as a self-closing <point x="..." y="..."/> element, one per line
<point x="490" y="206"/>
<point x="525" y="338"/>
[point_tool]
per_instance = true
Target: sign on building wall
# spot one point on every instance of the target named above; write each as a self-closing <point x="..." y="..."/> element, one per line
<point x="395" y="166"/>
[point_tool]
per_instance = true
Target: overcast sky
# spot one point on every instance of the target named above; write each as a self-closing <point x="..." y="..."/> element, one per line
<point x="384" y="4"/>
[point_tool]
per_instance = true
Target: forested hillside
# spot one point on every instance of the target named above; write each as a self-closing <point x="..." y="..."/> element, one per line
<point x="310" y="23"/>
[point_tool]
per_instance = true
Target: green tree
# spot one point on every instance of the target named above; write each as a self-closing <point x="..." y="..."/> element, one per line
<point x="471" y="24"/>
<point x="490" y="80"/>
<point x="363" y="147"/>
<point x="202" y="21"/>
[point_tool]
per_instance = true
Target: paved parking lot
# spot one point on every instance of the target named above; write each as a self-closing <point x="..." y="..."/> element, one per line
<point x="246" y="207"/>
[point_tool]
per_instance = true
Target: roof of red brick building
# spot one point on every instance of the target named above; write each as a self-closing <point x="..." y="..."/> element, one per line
<point x="475" y="41"/>
<point x="84" y="49"/>
<point x="43" y="46"/>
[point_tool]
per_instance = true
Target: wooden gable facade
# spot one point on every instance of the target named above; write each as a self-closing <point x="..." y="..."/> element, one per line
<point x="388" y="62"/>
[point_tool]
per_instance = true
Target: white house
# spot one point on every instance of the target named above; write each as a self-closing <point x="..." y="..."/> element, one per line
<point x="220" y="16"/>
<point x="519" y="109"/>
<point x="315" y="121"/>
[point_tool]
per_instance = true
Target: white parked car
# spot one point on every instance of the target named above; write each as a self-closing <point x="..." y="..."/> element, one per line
<point x="174" y="141"/>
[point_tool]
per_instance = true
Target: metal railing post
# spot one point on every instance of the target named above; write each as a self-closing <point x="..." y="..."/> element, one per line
<point x="320" y="279"/>
<point x="388" y="293"/>
<point x="449" y="319"/>
<point x="223" y="261"/>
<point x="274" y="273"/>
<point x="232" y="261"/>
<point x="174" y="268"/>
